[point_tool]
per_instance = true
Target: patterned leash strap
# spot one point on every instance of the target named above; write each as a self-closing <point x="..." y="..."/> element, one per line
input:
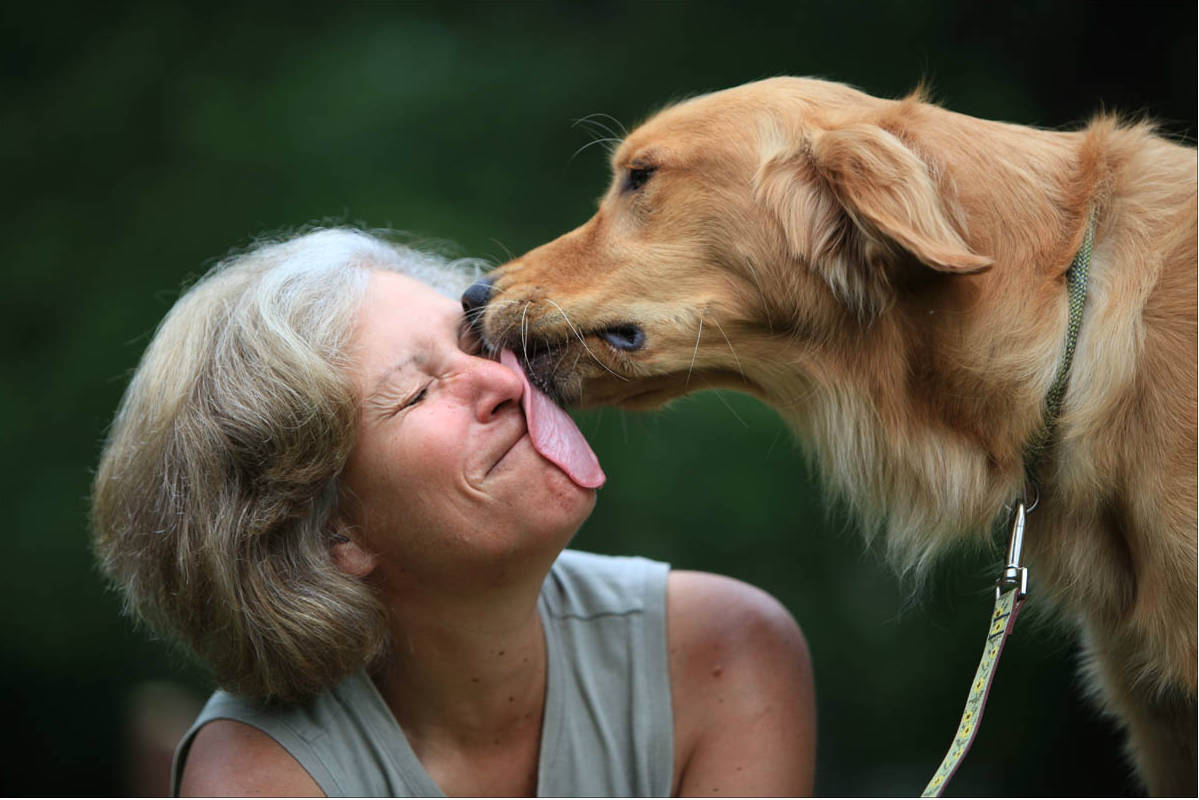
<point x="1010" y="593"/>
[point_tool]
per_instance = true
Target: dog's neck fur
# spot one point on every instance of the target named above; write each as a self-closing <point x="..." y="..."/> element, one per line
<point x="925" y="483"/>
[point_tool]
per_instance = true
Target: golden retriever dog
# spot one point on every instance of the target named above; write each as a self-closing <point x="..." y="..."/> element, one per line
<point x="890" y="276"/>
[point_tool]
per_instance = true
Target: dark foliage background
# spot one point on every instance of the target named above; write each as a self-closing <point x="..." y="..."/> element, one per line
<point x="141" y="142"/>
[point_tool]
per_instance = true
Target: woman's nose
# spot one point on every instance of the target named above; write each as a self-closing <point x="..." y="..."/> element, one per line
<point x="496" y="386"/>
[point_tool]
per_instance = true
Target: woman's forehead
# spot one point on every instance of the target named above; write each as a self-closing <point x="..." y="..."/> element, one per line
<point x="401" y="322"/>
<point x="396" y="301"/>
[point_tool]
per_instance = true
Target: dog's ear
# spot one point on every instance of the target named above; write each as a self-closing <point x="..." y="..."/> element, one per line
<point x="889" y="195"/>
<point x="849" y="200"/>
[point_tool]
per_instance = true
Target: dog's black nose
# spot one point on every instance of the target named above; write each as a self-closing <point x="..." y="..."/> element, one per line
<point x="475" y="298"/>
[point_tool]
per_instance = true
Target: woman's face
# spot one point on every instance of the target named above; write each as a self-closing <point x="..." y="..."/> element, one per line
<point x="443" y="473"/>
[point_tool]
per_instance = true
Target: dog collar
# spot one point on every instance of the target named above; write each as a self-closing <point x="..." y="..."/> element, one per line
<point x="1076" y="284"/>
<point x="1012" y="587"/>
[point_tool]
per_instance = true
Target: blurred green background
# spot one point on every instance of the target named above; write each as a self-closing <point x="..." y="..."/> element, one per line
<point x="141" y="142"/>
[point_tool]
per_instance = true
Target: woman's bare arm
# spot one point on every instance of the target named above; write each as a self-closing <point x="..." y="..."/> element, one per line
<point x="742" y="687"/>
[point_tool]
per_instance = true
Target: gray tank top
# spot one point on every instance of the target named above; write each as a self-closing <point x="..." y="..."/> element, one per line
<point x="608" y="727"/>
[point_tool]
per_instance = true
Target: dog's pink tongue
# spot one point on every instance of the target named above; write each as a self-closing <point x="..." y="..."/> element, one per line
<point x="554" y="434"/>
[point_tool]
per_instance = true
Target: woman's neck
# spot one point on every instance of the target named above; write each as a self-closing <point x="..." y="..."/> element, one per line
<point x="467" y="669"/>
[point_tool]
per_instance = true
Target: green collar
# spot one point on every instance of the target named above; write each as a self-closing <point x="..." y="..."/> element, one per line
<point x="1076" y="283"/>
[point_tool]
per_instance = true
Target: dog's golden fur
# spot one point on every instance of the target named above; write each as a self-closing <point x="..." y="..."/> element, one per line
<point x="890" y="276"/>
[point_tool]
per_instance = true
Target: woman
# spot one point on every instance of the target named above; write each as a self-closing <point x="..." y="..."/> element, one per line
<point x="319" y="485"/>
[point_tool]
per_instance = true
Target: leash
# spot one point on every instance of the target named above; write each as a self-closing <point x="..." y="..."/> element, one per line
<point x="1010" y="593"/>
<point x="1011" y="589"/>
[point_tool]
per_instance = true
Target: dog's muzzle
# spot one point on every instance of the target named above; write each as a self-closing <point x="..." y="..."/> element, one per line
<point x="627" y="337"/>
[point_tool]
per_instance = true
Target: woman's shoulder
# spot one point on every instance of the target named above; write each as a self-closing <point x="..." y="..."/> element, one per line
<point x="228" y="758"/>
<point x="715" y="610"/>
<point x="741" y="679"/>
<point x="317" y="740"/>
<point x="724" y="631"/>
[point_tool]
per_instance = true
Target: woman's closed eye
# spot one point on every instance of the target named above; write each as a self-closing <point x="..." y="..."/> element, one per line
<point x="415" y="398"/>
<point x="386" y="404"/>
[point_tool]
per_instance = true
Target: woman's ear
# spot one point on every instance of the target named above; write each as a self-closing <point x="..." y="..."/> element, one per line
<point x="352" y="558"/>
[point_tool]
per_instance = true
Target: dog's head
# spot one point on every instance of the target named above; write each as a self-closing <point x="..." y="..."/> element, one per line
<point x="736" y="225"/>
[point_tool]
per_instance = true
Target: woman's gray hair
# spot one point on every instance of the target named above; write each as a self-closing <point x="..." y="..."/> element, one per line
<point x="215" y="501"/>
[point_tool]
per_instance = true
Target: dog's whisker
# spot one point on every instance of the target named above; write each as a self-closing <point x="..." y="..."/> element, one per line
<point x="624" y="132"/>
<point x="558" y="364"/>
<point x="503" y="335"/>
<point x="583" y="341"/>
<point x="605" y="140"/>
<point x="592" y="123"/>
<point x="474" y="313"/>
<point x="777" y="435"/>
<point x="524" y="330"/>
<point x="557" y="368"/>
<point x="733" y="411"/>
<point x="698" y="335"/>
<point x="504" y="247"/>
<point x="473" y="317"/>
<point x="601" y="132"/>
<point x="730" y="344"/>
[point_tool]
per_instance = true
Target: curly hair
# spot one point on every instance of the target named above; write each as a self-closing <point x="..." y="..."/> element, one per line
<point x="215" y="500"/>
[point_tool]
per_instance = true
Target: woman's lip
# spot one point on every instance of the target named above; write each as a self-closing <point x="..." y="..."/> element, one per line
<point x="524" y="434"/>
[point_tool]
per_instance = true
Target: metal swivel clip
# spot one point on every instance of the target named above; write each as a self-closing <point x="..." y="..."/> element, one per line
<point x="1015" y="574"/>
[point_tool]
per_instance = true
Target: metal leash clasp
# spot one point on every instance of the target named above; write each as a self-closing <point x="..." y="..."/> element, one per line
<point x="1010" y="591"/>
<point x="1015" y="574"/>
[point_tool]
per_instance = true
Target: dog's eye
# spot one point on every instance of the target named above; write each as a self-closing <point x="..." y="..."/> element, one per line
<point x="637" y="177"/>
